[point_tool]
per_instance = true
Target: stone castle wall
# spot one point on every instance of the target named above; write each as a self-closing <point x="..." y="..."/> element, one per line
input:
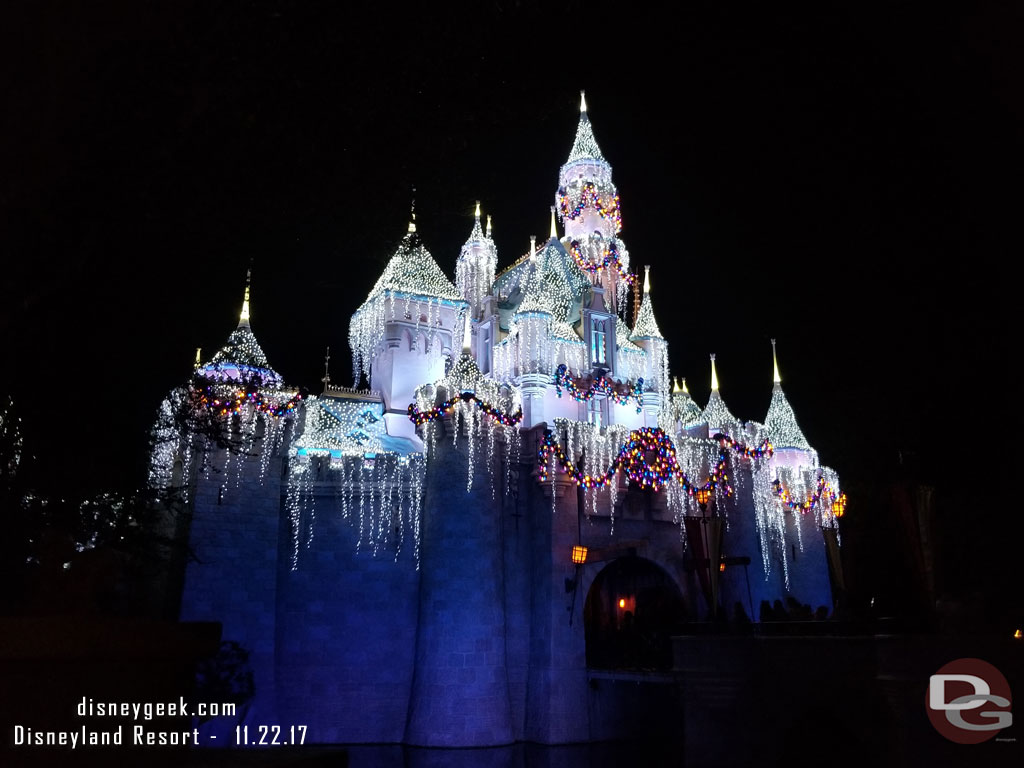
<point x="482" y="644"/>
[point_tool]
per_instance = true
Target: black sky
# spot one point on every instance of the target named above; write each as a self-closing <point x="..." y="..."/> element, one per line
<point x="846" y="181"/>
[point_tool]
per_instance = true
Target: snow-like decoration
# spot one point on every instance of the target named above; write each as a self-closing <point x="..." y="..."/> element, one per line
<point x="781" y="425"/>
<point x="646" y="326"/>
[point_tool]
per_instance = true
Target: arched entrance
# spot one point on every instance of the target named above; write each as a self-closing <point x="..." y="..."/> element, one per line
<point x="633" y="608"/>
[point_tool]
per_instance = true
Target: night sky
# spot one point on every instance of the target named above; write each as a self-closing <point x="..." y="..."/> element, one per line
<point x="847" y="182"/>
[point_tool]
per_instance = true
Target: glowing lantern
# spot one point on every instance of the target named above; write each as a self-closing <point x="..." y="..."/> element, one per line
<point x="721" y="567"/>
<point x="703" y="496"/>
<point x="839" y="505"/>
<point x="579" y="555"/>
<point x="622" y="602"/>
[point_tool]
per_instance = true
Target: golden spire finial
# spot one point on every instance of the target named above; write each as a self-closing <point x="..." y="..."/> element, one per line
<point x="583" y="101"/>
<point x="199" y="356"/>
<point x="647" y="279"/>
<point x="684" y="386"/>
<point x="533" y="246"/>
<point x="243" y="318"/>
<point x="714" y="375"/>
<point x="477" y="214"/>
<point x="554" y="230"/>
<point x="775" y="365"/>
<point x="488" y="225"/>
<point x="675" y="385"/>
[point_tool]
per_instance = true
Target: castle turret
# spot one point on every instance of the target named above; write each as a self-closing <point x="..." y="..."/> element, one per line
<point x="780" y="422"/>
<point x="588" y="204"/>
<point x="474" y="270"/>
<point x="406" y="328"/>
<point x="474" y="277"/>
<point x="647" y="336"/>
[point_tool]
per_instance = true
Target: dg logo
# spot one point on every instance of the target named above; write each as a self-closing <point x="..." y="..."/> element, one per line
<point x="968" y="701"/>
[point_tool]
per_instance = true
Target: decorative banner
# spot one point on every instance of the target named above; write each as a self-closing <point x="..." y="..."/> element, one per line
<point x="824" y="490"/>
<point x="418" y="417"/>
<point x="607" y="209"/>
<point x="649" y="460"/>
<point x="611" y="257"/>
<point x="602" y="386"/>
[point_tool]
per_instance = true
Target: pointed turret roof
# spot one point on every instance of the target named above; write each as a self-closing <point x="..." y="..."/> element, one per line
<point x="241" y="357"/>
<point x="413" y="271"/>
<point x="681" y="407"/>
<point x="716" y="412"/>
<point x="646" y="326"/>
<point x="546" y="290"/>
<point x="780" y="423"/>
<point x="585" y="146"/>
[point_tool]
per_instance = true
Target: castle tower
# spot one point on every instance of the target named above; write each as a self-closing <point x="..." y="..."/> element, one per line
<point x="588" y="205"/>
<point x="474" y="278"/>
<point x="647" y="336"/>
<point x="406" y="329"/>
<point x="235" y="524"/>
<point x="795" y="462"/>
<point x="460" y="690"/>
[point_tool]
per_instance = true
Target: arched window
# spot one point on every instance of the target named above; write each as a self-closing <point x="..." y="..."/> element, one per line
<point x="632" y="611"/>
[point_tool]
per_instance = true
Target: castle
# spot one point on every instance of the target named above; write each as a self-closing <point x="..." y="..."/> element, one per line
<point x="515" y="516"/>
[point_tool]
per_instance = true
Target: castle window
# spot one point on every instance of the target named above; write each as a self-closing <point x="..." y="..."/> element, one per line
<point x="598" y="343"/>
<point x="484" y="361"/>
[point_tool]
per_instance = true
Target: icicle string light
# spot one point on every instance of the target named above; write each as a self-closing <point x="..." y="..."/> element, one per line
<point x="600" y="386"/>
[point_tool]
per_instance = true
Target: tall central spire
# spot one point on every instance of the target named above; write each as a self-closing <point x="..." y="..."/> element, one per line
<point x="585" y="145"/>
<point x="243" y="318"/>
<point x="775" y="365"/>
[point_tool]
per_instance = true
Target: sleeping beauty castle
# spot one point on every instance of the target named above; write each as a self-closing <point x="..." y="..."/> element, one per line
<point x="517" y="514"/>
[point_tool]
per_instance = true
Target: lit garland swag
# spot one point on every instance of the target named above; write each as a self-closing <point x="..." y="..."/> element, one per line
<point x="837" y="500"/>
<point x="607" y="209"/>
<point x="649" y="459"/>
<point x="418" y="417"/>
<point x="611" y="257"/>
<point x="602" y="385"/>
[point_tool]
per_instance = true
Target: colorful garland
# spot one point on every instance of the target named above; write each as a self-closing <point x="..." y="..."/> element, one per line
<point x="232" y="402"/>
<point x="611" y="256"/>
<point x="602" y="386"/>
<point x="418" y="417"/>
<point x="649" y="459"/>
<point x="589" y="195"/>
<point x="823" y="490"/>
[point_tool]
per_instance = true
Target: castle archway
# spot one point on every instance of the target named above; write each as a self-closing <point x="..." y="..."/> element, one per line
<point x="632" y="610"/>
